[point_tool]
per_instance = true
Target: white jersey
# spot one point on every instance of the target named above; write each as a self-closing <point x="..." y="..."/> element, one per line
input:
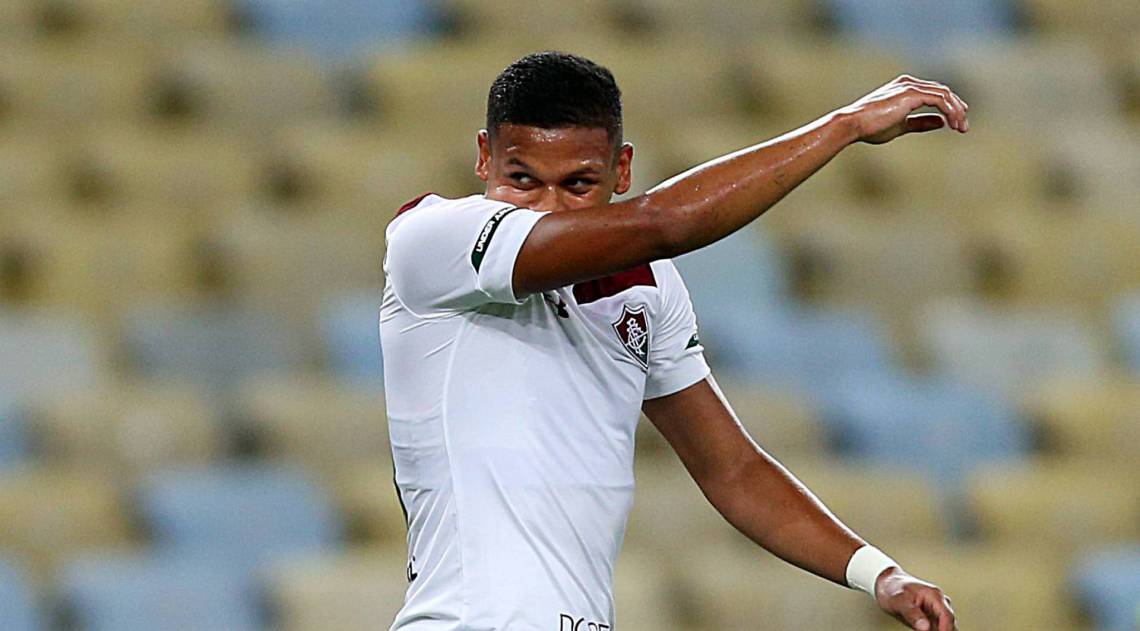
<point x="512" y="418"/>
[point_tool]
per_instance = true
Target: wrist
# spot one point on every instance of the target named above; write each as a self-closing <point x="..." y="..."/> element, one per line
<point x="846" y="124"/>
<point x="865" y="567"/>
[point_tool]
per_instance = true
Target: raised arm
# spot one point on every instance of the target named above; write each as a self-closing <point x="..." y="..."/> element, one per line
<point x="717" y="198"/>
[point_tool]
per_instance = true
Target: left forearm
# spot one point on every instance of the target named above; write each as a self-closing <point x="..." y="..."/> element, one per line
<point x="769" y="505"/>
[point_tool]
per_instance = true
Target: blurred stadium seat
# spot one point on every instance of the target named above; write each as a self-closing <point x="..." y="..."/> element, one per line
<point x="128" y="428"/>
<point x="366" y="496"/>
<point x="317" y="421"/>
<point x="47" y="352"/>
<point x="19" y="608"/>
<point x="351" y="591"/>
<point x="13" y="435"/>
<point x="243" y="515"/>
<point x="350" y="330"/>
<point x="932" y="426"/>
<point x="1008" y="351"/>
<point x="1092" y="419"/>
<point x="1061" y="505"/>
<point x="1005" y="586"/>
<point x="51" y="514"/>
<point x="214" y="345"/>
<point x="1126" y="317"/>
<point x="140" y="592"/>
<point x="800" y="347"/>
<point x="1107" y="581"/>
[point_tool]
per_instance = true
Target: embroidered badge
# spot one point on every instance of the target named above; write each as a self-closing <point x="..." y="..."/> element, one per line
<point x="632" y="329"/>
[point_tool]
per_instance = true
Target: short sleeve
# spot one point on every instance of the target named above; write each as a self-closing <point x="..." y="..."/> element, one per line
<point x="676" y="356"/>
<point x="449" y="255"/>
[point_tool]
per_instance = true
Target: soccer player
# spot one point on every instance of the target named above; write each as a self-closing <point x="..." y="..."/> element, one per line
<point x="524" y="328"/>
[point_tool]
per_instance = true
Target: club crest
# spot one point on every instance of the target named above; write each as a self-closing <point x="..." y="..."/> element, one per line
<point x="632" y="329"/>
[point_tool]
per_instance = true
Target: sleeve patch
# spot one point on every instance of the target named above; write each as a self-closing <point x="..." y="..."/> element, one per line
<point x="485" y="235"/>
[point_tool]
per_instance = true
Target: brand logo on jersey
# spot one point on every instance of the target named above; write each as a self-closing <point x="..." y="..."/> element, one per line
<point x="485" y="235"/>
<point x="566" y="622"/>
<point x="632" y="329"/>
<point x="556" y="301"/>
<point x="412" y="574"/>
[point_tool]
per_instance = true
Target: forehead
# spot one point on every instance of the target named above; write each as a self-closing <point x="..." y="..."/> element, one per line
<point x="575" y="147"/>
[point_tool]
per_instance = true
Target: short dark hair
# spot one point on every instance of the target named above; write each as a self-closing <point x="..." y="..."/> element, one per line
<point x="553" y="89"/>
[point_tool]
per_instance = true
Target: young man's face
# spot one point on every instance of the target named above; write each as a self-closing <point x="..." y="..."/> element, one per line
<point x="552" y="169"/>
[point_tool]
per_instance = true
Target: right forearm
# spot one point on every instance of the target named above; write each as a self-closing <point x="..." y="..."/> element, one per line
<point x="712" y="200"/>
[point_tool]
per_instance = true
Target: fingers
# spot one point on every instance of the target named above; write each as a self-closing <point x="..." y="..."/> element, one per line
<point x="956" y="107"/>
<point x="936" y="605"/>
<point x="923" y="122"/>
<point x="955" y="115"/>
<point x="915" y="618"/>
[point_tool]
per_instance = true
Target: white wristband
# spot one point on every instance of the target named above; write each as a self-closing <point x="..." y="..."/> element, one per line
<point x="865" y="567"/>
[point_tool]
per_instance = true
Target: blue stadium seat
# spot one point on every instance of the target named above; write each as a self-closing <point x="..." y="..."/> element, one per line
<point x="743" y="268"/>
<point x="341" y="27"/>
<point x="246" y="515"/>
<point x="934" y="426"/>
<point x="921" y="28"/>
<point x="18" y="607"/>
<point x="13" y="439"/>
<point x="351" y="335"/>
<point x="136" y="592"/>
<point x="1107" y="582"/>
<point x="802" y="348"/>
<point x="1126" y="316"/>
<point x="45" y="353"/>
<point x="215" y="345"/>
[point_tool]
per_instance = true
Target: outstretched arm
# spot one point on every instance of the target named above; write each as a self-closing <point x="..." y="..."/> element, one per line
<point x="763" y="500"/>
<point x="719" y="197"/>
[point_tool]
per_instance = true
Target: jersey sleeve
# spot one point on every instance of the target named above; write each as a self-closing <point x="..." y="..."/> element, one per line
<point x="676" y="356"/>
<point x="454" y="255"/>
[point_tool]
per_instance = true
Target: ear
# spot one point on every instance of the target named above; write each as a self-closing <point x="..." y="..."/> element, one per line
<point x="625" y="174"/>
<point x="483" y="163"/>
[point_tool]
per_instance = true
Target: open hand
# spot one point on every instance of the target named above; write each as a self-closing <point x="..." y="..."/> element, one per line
<point x="921" y="605"/>
<point x="886" y="113"/>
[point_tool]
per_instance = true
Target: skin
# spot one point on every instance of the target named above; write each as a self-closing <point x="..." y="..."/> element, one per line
<point x="574" y="172"/>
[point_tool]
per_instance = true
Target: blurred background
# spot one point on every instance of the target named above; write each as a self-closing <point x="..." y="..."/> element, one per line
<point x="941" y="337"/>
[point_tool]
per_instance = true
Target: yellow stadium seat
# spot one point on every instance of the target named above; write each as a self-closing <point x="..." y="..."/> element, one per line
<point x="780" y="422"/>
<point x="379" y="169"/>
<point x="245" y="88"/>
<point x="1096" y="420"/>
<point x="18" y="19"/>
<point x="735" y="20"/>
<point x="149" y="21"/>
<point x="1106" y="22"/>
<point x="357" y="590"/>
<point x="366" y="493"/>
<point x="881" y="504"/>
<point x="316" y="421"/>
<point x="747" y="588"/>
<point x="1004" y="586"/>
<point x="643" y="590"/>
<point x="1059" y="505"/>
<point x="99" y="265"/>
<point x="1020" y="83"/>
<point x="495" y="20"/>
<point x="771" y="74"/>
<point x="77" y="86"/>
<point x="49" y="515"/>
<point x="128" y="428"/>
<point x="669" y="510"/>
<point x="30" y="172"/>
<point x="188" y="169"/>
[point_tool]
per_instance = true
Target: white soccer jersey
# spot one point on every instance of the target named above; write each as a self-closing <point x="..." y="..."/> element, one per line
<point x="512" y="418"/>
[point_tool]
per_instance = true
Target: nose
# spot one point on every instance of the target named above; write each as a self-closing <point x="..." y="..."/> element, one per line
<point x="548" y="199"/>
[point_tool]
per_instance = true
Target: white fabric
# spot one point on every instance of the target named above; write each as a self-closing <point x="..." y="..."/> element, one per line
<point x="512" y="426"/>
<point x="865" y="566"/>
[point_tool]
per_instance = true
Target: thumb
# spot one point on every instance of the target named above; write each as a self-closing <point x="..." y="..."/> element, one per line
<point x="923" y="122"/>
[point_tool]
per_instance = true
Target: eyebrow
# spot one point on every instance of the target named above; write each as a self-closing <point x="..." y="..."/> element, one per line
<point x="588" y="170"/>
